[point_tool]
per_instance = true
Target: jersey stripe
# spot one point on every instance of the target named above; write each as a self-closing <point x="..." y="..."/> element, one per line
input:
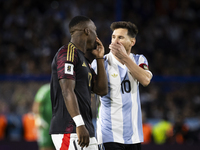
<point x="136" y="108"/>
<point x="126" y="109"/>
<point x="116" y="112"/>
<point x="73" y="54"/>
<point x="70" y="52"/>
<point x="65" y="142"/>
<point x="106" y="126"/>
<point x="116" y="115"/>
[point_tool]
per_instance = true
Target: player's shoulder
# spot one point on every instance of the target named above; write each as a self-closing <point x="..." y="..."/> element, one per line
<point x="67" y="52"/>
<point x="68" y="47"/>
<point x="108" y="57"/>
<point x="45" y="87"/>
<point x="62" y="52"/>
<point x="137" y="56"/>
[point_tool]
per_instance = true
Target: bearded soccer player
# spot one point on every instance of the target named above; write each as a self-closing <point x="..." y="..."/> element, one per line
<point x="120" y="120"/>
<point x="72" y="81"/>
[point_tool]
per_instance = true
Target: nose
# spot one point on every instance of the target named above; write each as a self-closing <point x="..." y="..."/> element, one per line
<point x="114" y="40"/>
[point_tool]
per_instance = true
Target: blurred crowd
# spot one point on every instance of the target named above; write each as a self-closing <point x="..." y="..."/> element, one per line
<point x="169" y="32"/>
<point x="33" y="30"/>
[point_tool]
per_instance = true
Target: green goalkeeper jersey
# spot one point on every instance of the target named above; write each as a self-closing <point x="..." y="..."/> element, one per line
<point x="43" y="97"/>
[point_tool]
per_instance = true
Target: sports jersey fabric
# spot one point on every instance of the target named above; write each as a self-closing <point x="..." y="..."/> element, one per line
<point x="70" y="63"/>
<point x="43" y="97"/>
<point x="120" y="118"/>
<point x="45" y="110"/>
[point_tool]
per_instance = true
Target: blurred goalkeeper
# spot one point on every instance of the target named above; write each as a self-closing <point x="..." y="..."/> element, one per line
<point x="43" y="113"/>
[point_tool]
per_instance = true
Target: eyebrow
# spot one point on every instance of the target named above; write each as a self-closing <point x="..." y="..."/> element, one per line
<point x="117" y="35"/>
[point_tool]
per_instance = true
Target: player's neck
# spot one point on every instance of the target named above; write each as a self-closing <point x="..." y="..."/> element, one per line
<point x="89" y="56"/>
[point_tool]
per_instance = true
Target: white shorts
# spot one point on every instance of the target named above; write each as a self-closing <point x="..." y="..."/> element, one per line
<point x="69" y="142"/>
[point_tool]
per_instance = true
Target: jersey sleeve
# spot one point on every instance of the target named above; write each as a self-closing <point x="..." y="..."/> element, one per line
<point x="66" y="62"/>
<point x="143" y="63"/>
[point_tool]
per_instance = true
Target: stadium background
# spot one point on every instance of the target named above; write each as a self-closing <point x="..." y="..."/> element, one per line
<point x="169" y="33"/>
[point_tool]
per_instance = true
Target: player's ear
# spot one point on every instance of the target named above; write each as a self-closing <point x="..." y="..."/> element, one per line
<point x="133" y="41"/>
<point x="87" y="31"/>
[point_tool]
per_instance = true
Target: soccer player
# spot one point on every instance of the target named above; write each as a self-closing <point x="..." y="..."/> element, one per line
<point x="43" y="113"/>
<point x="72" y="81"/>
<point x="120" y="120"/>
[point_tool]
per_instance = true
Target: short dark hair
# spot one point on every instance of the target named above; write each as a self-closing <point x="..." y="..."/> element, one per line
<point x="78" y="19"/>
<point x="132" y="28"/>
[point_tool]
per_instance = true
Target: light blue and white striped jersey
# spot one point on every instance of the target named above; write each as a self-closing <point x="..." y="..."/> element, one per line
<point x="120" y="118"/>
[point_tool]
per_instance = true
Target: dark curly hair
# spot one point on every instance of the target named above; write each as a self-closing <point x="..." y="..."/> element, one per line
<point x="132" y="28"/>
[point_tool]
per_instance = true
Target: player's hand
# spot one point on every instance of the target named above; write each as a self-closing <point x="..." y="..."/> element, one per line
<point x="99" y="51"/>
<point x="83" y="136"/>
<point x="118" y="50"/>
<point x="40" y="123"/>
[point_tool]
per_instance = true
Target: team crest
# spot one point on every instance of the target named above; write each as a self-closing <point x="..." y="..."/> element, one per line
<point x="69" y="68"/>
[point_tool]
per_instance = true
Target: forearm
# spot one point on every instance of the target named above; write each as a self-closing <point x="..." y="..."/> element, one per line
<point x="101" y="85"/>
<point x="143" y="76"/>
<point x="71" y="103"/>
<point x="69" y="96"/>
<point x="72" y="106"/>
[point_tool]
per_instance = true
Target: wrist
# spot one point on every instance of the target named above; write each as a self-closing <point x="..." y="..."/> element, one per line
<point x="125" y="59"/>
<point x="78" y="120"/>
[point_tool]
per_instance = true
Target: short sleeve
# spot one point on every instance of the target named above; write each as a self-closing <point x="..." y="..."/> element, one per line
<point x="143" y="63"/>
<point x="66" y="62"/>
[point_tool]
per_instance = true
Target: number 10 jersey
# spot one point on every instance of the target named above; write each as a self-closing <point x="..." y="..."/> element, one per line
<point x="120" y="118"/>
